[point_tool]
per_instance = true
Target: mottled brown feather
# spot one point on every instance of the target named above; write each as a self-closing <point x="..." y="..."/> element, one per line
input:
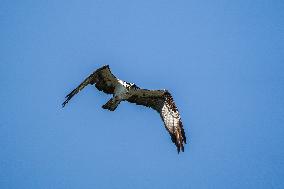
<point x="162" y="101"/>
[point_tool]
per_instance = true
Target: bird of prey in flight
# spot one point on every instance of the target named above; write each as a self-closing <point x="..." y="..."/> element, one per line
<point x="159" y="100"/>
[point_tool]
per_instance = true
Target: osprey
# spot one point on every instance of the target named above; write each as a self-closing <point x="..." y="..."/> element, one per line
<point x="159" y="100"/>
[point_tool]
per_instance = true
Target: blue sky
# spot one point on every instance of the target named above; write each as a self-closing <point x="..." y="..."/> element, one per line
<point x="223" y="61"/>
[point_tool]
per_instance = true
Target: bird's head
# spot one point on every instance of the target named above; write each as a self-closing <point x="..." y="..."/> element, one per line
<point x="133" y="86"/>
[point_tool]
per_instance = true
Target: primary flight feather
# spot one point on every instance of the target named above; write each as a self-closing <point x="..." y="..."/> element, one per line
<point x="159" y="100"/>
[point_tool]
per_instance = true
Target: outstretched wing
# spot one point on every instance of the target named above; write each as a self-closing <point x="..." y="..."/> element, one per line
<point x="103" y="79"/>
<point x="172" y="121"/>
<point x="162" y="101"/>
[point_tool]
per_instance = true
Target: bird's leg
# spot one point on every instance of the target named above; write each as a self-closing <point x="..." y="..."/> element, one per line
<point x="112" y="103"/>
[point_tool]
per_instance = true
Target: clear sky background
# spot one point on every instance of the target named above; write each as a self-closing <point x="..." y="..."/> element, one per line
<point x="223" y="61"/>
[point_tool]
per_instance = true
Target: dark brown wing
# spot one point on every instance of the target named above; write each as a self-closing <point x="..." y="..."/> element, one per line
<point x="103" y="79"/>
<point x="162" y="101"/>
<point x="149" y="98"/>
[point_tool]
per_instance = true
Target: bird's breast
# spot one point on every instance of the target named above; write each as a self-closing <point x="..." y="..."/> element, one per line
<point x="119" y="90"/>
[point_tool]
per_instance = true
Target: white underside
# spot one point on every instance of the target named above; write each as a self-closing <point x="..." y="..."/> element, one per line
<point x="120" y="88"/>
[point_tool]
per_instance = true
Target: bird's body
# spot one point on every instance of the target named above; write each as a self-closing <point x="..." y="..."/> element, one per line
<point x="159" y="100"/>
